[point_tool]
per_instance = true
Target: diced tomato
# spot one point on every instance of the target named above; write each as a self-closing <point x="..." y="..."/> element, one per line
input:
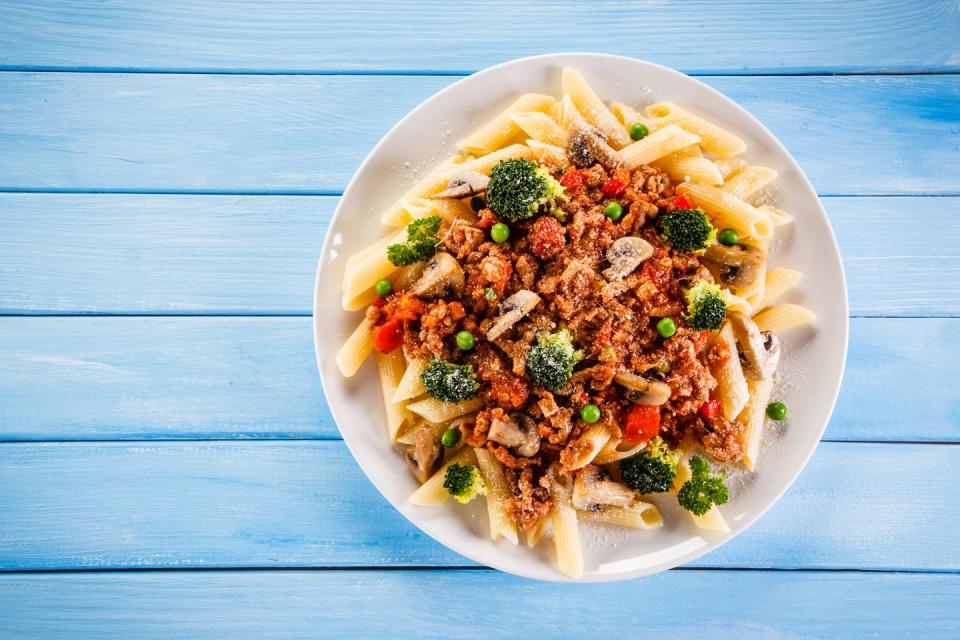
<point x="682" y="202"/>
<point x="379" y="302"/>
<point x="613" y="187"/>
<point x="710" y="409"/>
<point x="388" y="336"/>
<point x="642" y="423"/>
<point x="572" y="180"/>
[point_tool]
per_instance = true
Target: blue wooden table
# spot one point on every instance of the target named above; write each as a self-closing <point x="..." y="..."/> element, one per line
<point x="168" y="466"/>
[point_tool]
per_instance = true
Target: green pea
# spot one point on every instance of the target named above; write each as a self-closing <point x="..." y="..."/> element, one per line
<point x="777" y="410"/>
<point x="590" y="413"/>
<point x="383" y="288"/>
<point x="490" y="294"/>
<point x="613" y="211"/>
<point x="499" y="233"/>
<point x="477" y="203"/>
<point x="666" y="327"/>
<point x="450" y="438"/>
<point x="728" y="237"/>
<point x="465" y="340"/>
<point x="638" y="131"/>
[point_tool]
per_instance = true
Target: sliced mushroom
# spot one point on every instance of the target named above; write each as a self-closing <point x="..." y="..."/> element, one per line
<point x="423" y="456"/>
<point x="761" y="351"/>
<point x="442" y="276"/>
<point x="643" y="391"/>
<point x="737" y="266"/>
<point x="625" y="255"/>
<point x="593" y="490"/>
<point x="513" y="309"/>
<point x="586" y="146"/>
<point x="519" y="433"/>
<point x="467" y="183"/>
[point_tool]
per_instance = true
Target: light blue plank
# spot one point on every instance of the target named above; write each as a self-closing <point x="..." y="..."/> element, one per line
<point x="307" y="134"/>
<point x="142" y="254"/>
<point x="148" y="378"/>
<point x="676" y="605"/>
<point x="733" y="36"/>
<point x="269" y="504"/>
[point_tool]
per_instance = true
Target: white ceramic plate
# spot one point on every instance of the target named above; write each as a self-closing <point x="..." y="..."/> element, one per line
<point x="811" y="370"/>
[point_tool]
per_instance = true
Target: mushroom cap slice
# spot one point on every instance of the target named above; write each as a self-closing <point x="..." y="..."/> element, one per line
<point x="643" y="391"/>
<point x="625" y="255"/>
<point x="593" y="490"/>
<point x="512" y="310"/>
<point x="423" y="456"/>
<point x="442" y="275"/>
<point x="465" y="183"/>
<point x="518" y="433"/>
<point x="586" y="146"/>
<point x="738" y="265"/>
<point x="761" y="351"/>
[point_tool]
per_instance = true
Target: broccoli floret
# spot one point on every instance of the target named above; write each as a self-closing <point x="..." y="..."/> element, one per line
<point x="519" y="188"/>
<point x="463" y="482"/>
<point x="449" y="382"/>
<point x="702" y="490"/>
<point x="550" y="361"/>
<point x="705" y="306"/>
<point x="687" y="230"/>
<point x="652" y="470"/>
<point x="422" y="242"/>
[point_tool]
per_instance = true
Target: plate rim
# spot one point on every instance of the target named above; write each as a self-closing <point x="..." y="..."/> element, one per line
<point x="462" y="548"/>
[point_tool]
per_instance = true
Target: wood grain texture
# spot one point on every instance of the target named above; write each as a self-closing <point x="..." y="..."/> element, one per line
<point x="379" y="604"/>
<point x="170" y="254"/>
<point x="740" y="36"/>
<point x="149" y="378"/>
<point x="272" y="504"/>
<point x="307" y="134"/>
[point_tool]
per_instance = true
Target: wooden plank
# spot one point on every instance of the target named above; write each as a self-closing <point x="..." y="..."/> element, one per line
<point x="170" y="254"/>
<point x="294" y="36"/>
<point x="307" y="134"/>
<point x="339" y="604"/>
<point x="149" y="378"/>
<point x="271" y="504"/>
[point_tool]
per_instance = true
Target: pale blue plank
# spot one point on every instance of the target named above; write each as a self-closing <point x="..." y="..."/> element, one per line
<point x="734" y="37"/>
<point x="263" y="504"/>
<point x="149" y="378"/>
<point x="142" y="254"/>
<point x="676" y="605"/>
<point x="307" y="134"/>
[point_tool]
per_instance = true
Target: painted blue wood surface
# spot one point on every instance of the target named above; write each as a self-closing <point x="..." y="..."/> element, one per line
<point x="299" y="504"/>
<point x="170" y="254"/>
<point x="737" y="36"/>
<point x="307" y="134"/>
<point x="163" y="378"/>
<point x="720" y="605"/>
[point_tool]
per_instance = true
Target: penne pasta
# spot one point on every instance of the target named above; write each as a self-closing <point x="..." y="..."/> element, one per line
<point x="714" y="139"/>
<point x="436" y="411"/>
<point x="612" y="453"/>
<point x="356" y="349"/>
<point x="731" y="383"/>
<point x="749" y="181"/>
<point x="588" y="445"/>
<point x="753" y="418"/>
<point x="547" y="153"/>
<point x="730" y="167"/>
<point x="728" y="210"/>
<point x="661" y="143"/>
<point x="628" y="115"/>
<point x="431" y="493"/>
<point x="566" y="531"/>
<point x="592" y="108"/>
<point x="781" y="317"/>
<point x="712" y="519"/>
<point x="396" y="215"/>
<point x="682" y="166"/>
<point x="641" y="515"/>
<point x="539" y="126"/>
<point x="567" y="112"/>
<point x="778" y="282"/>
<point x="410" y="385"/>
<point x="502" y="129"/>
<point x="498" y="492"/>
<point x="390" y="367"/>
<point x="535" y="533"/>
<point x="778" y="217"/>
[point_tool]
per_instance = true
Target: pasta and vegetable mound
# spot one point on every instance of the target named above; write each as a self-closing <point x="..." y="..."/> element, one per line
<point x="574" y="315"/>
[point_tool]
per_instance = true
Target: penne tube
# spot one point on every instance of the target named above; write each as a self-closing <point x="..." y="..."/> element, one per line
<point x="484" y="164"/>
<point x="498" y="492"/>
<point x="410" y="385"/>
<point x="566" y="531"/>
<point x="547" y="153"/>
<point x="661" y="143"/>
<point x="502" y="129"/>
<point x="612" y="453"/>
<point x="729" y="167"/>
<point x="431" y="493"/>
<point x="539" y="126"/>
<point x="396" y="215"/>
<point x="714" y="139"/>
<point x="627" y="116"/>
<point x="778" y="217"/>
<point x="712" y="519"/>
<point x="587" y="446"/>
<point x="567" y="113"/>
<point x="781" y="317"/>
<point x="589" y="104"/>
<point x="536" y="532"/>
<point x="753" y="418"/>
<point x="683" y="167"/>
<point x="356" y="349"/>
<point x="749" y="181"/>
<point x="390" y="367"/>
<point x="360" y="301"/>
<point x="435" y="411"/>
<point x="731" y="383"/>
<point x="641" y="515"/>
<point x="728" y="210"/>
<point x="778" y="282"/>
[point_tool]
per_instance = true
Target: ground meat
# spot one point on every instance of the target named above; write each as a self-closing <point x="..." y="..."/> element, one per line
<point x="546" y="237"/>
<point x="463" y="238"/>
<point x="531" y="498"/>
<point x="723" y="439"/>
<point x="439" y="321"/>
<point x="504" y="388"/>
